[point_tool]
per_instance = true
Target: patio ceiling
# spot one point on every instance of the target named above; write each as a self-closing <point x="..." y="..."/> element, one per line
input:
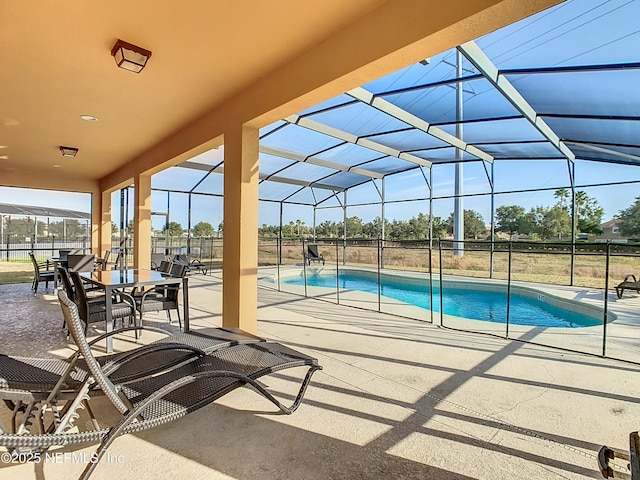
<point x="213" y="64"/>
<point x="57" y="66"/>
<point x="559" y="85"/>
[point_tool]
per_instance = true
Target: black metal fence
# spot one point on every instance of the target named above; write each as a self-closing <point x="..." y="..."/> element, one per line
<point x="560" y="275"/>
<point x="14" y="248"/>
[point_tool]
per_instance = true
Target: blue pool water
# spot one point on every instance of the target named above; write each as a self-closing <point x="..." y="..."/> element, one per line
<point x="486" y="305"/>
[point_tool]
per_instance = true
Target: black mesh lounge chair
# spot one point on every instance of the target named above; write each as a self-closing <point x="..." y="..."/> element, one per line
<point x="191" y="265"/>
<point x="161" y="398"/>
<point x="312" y="255"/>
<point x="41" y="273"/>
<point x="28" y="384"/>
<point x="629" y="283"/>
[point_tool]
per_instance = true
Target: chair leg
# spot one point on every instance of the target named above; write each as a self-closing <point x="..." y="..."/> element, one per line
<point x="179" y="319"/>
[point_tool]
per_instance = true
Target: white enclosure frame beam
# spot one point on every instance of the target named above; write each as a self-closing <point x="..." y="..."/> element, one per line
<point x="479" y="59"/>
<point x="313" y="160"/>
<point x="350" y="138"/>
<point x="398" y="113"/>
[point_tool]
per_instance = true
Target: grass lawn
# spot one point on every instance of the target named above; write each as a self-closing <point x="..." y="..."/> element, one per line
<point x="16" y="272"/>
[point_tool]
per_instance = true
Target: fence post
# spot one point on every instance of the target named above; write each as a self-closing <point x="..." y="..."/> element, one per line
<point x="379" y="286"/>
<point x="304" y="269"/>
<point x="508" y="289"/>
<point x="441" y="291"/>
<point x="337" y="273"/>
<point x="278" y="258"/>
<point x="606" y="300"/>
<point x="431" y="279"/>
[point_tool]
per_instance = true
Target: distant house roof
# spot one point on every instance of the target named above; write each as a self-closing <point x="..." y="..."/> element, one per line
<point x="611" y="223"/>
<point x="33" y="211"/>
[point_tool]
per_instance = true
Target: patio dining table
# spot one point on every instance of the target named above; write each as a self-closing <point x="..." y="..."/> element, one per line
<point x="111" y="280"/>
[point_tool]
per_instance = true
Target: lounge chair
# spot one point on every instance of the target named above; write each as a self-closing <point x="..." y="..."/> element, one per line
<point x="312" y="255"/>
<point x="27" y="382"/>
<point x="191" y="265"/>
<point x="629" y="283"/>
<point x="153" y="400"/>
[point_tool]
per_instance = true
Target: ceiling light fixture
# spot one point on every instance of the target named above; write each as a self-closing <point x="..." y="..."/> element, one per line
<point x="129" y="56"/>
<point x="89" y="118"/>
<point x="68" y="151"/>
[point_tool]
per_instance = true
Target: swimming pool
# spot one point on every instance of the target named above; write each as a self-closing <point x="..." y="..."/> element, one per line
<point x="461" y="299"/>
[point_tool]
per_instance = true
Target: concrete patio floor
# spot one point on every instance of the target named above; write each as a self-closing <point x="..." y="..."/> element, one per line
<point x="397" y="399"/>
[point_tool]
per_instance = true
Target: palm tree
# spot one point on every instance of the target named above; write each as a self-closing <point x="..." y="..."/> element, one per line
<point x="562" y="194"/>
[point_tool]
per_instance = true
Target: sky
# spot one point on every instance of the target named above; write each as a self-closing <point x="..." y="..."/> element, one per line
<point x="507" y="176"/>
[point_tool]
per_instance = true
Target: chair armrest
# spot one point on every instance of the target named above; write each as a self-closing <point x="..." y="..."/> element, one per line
<point x="631" y="275"/>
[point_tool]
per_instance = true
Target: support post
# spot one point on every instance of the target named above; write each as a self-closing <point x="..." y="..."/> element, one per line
<point x="458" y="208"/>
<point x="240" y="242"/>
<point x="493" y="224"/>
<point x="142" y="215"/>
<point x="572" y="179"/>
<point x="382" y="218"/>
<point x="344" y="230"/>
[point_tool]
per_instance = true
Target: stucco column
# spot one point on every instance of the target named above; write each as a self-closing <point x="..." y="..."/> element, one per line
<point x="240" y="234"/>
<point x="104" y="242"/>
<point x="142" y="221"/>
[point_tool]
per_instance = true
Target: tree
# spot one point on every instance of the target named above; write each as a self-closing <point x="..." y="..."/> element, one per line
<point x="589" y="213"/>
<point x="511" y="219"/>
<point x="354" y="227"/>
<point x="473" y="224"/>
<point x="174" y="229"/>
<point x="562" y="194"/>
<point x="203" y="229"/>
<point x="630" y="219"/>
<point x="556" y="223"/>
<point x="438" y="227"/>
<point x="419" y="226"/>
<point x="373" y="229"/>
<point x="329" y="229"/>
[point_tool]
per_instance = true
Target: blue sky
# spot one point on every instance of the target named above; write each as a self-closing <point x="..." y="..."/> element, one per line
<point x="508" y="175"/>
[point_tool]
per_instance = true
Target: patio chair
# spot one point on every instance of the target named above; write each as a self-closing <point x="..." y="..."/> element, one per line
<point x="81" y="262"/>
<point x="164" y="266"/>
<point x="158" y="399"/>
<point x="629" y="283"/>
<point x="162" y="297"/>
<point x="102" y="263"/>
<point x="191" y="265"/>
<point x="156" y="260"/>
<point x="312" y="255"/>
<point x="122" y="305"/>
<point x="41" y="273"/>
